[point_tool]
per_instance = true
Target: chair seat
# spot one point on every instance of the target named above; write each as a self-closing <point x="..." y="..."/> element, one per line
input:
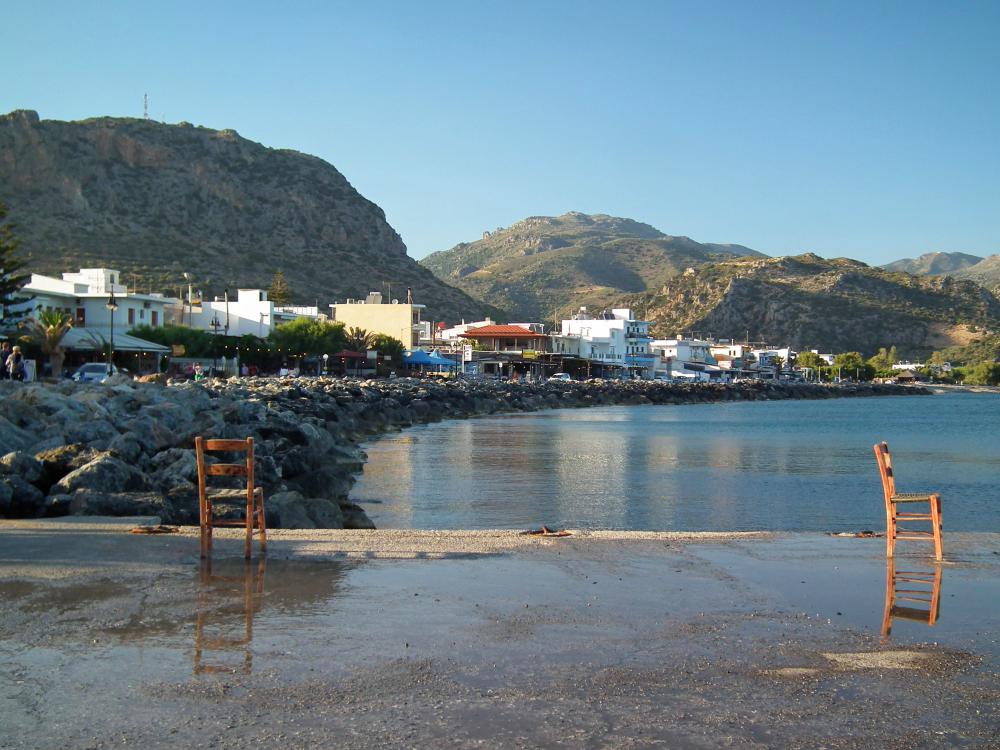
<point x="231" y="494"/>
<point x="912" y="497"/>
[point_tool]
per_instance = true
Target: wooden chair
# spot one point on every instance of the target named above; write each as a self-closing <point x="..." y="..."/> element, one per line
<point x="208" y="497"/>
<point x="894" y="516"/>
<point x="921" y="587"/>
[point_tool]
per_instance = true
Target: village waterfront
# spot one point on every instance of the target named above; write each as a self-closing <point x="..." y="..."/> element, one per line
<point x="746" y="465"/>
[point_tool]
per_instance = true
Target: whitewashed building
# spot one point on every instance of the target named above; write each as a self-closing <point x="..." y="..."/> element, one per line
<point x="614" y="338"/>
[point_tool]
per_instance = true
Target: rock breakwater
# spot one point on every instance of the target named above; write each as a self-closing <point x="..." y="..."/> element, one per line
<point x="127" y="448"/>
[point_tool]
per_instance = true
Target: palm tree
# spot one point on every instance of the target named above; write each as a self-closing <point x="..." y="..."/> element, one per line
<point x="359" y="340"/>
<point x="48" y="327"/>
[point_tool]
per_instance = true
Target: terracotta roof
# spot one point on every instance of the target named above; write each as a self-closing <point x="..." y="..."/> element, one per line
<point x="488" y="331"/>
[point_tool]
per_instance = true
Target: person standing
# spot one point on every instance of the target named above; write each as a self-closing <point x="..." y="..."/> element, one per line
<point x="15" y="364"/>
<point x="4" y="354"/>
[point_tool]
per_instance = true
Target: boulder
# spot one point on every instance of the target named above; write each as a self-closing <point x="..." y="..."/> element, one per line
<point x="24" y="465"/>
<point x="13" y="438"/>
<point x="105" y="474"/>
<point x="26" y="500"/>
<point x="354" y="516"/>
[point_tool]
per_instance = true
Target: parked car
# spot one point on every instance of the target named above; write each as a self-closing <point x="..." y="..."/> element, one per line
<point x="560" y="377"/>
<point x="93" y="372"/>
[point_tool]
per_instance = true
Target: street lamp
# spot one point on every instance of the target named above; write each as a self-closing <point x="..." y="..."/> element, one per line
<point x="216" y="325"/>
<point x="112" y="305"/>
<point x="326" y="360"/>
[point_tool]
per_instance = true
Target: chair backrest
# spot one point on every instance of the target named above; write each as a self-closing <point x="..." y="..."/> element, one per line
<point x="884" y="459"/>
<point x="244" y="469"/>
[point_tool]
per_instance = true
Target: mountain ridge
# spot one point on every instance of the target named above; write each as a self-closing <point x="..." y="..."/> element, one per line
<point x="543" y="263"/>
<point x="158" y="200"/>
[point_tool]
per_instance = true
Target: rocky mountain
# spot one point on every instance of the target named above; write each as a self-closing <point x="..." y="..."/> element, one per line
<point x="808" y="302"/>
<point x="157" y="201"/>
<point x="934" y="264"/>
<point x="985" y="272"/>
<point x="544" y="264"/>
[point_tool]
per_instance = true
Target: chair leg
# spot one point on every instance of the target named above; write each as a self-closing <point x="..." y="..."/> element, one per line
<point x="890" y="532"/>
<point x="936" y="521"/>
<point x="261" y="524"/>
<point x="249" y="527"/>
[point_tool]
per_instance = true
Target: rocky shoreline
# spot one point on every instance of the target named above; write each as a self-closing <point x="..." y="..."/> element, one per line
<point x="127" y="447"/>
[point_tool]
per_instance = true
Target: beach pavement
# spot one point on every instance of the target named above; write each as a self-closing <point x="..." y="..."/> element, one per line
<point x="361" y="639"/>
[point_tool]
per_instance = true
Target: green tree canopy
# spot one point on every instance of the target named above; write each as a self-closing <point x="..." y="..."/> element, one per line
<point x="884" y="360"/>
<point x="10" y="280"/>
<point x="810" y="359"/>
<point x="279" y="292"/>
<point x="359" y="340"/>
<point x="47" y="328"/>
<point x="985" y="373"/>
<point x="196" y="343"/>
<point x="852" y="364"/>
<point x="308" y="336"/>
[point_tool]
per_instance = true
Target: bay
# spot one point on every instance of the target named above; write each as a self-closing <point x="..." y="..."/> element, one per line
<point x="777" y="465"/>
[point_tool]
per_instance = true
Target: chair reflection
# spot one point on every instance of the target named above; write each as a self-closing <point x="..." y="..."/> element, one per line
<point x="915" y="587"/>
<point x="227" y="601"/>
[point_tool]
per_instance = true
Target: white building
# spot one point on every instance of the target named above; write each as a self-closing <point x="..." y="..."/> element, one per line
<point x="613" y="338"/>
<point x="687" y="358"/>
<point x="249" y="312"/>
<point x="84" y="296"/>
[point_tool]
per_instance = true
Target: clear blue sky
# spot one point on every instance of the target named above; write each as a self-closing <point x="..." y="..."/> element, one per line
<point x="867" y="129"/>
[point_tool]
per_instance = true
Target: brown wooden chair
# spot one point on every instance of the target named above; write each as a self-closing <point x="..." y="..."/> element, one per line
<point x="210" y="497"/>
<point x="920" y="587"/>
<point x="893" y="516"/>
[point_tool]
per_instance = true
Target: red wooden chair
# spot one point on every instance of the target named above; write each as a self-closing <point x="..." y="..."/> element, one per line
<point x="209" y="497"/>
<point x="893" y="516"/>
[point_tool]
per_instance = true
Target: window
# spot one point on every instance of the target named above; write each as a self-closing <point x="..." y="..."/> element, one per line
<point x="131" y="316"/>
<point x="81" y="317"/>
<point x="154" y="316"/>
<point x="142" y="314"/>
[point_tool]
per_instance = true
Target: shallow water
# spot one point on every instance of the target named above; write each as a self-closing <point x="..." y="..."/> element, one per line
<point x="780" y="465"/>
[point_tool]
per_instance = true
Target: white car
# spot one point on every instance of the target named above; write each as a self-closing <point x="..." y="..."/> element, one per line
<point x="93" y="372"/>
<point x="560" y="377"/>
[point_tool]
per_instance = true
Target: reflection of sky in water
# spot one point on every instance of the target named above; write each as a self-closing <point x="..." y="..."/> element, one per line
<point x="793" y="465"/>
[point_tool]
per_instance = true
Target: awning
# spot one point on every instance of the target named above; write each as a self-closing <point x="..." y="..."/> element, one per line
<point x="93" y="339"/>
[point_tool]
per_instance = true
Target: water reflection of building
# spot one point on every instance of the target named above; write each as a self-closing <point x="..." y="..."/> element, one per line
<point x="229" y="597"/>
<point x="911" y="595"/>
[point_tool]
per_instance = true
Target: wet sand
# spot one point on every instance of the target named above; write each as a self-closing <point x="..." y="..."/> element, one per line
<point x="488" y="639"/>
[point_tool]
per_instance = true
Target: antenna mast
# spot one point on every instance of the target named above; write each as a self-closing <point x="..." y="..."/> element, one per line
<point x="145" y="106"/>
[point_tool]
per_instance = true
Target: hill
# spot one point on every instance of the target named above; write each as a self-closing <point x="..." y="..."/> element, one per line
<point x="934" y="264"/>
<point x="545" y="264"/>
<point x="985" y="272"/>
<point x="156" y="201"/>
<point x="808" y="302"/>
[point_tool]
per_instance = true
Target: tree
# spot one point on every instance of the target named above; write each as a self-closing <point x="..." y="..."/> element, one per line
<point x="390" y="351"/>
<point x="777" y="362"/>
<point x="810" y="359"/>
<point x="985" y="373"/>
<point x="359" y="340"/>
<point x="48" y="328"/>
<point x="884" y="360"/>
<point x="196" y="343"/>
<point x="308" y="336"/>
<point x="279" y="292"/>
<point x="10" y="280"/>
<point x="851" y="364"/>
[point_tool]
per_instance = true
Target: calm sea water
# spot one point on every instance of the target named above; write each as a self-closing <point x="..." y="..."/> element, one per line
<point x="780" y="465"/>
